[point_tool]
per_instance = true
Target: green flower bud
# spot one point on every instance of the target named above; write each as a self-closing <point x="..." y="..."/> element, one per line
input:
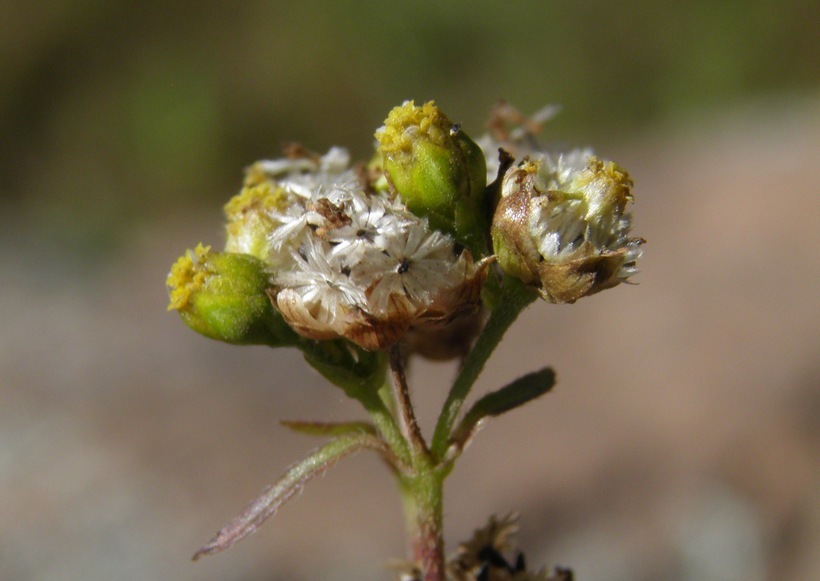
<point x="561" y="226"/>
<point x="438" y="170"/>
<point x="224" y="296"/>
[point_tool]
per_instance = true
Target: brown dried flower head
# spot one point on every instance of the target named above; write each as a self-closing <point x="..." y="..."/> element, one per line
<point x="561" y="225"/>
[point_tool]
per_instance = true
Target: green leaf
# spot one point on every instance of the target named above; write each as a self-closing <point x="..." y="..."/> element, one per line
<point x="330" y="428"/>
<point x="273" y="497"/>
<point x="517" y="393"/>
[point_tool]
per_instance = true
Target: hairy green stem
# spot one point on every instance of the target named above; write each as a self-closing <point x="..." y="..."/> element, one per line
<point x="422" y="495"/>
<point x="386" y="425"/>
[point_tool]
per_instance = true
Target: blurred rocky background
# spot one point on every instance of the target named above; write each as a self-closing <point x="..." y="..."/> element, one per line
<point x="682" y="440"/>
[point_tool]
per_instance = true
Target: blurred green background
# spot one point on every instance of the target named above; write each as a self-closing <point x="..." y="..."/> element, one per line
<point x="681" y="442"/>
<point x="113" y="110"/>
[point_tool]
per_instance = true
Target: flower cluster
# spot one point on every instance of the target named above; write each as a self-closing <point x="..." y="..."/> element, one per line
<point x="222" y="295"/>
<point x="439" y="171"/>
<point x="368" y="254"/>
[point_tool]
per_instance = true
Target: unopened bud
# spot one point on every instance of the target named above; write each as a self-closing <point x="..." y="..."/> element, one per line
<point x="438" y="170"/>
<point x="224" y="296"/>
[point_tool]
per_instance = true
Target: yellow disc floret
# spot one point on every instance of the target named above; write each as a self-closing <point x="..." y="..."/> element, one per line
<point x="263" y="196"/>
<point x="407" y="122"/>
<point x="250" y="220"/>
<point x="186" y="277"/>
<point x="438" y="171"/>
<point x="605" y="185"/>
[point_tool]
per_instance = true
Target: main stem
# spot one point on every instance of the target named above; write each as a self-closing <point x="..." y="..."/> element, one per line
<point x="423" y="494"/>
<point x="423" y="487"/>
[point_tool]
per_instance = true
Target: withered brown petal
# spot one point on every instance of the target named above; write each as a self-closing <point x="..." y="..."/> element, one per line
<point x="566" y="282"/>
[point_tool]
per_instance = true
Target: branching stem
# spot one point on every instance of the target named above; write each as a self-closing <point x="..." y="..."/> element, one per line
<point x="514" y="298"/>
<point x="407" y="416"/>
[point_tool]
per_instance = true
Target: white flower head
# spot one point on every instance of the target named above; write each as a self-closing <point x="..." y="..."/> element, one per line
<point x="347" y="262"/>
<point x="414" y="266"/>
<point x="373" y="224"/>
